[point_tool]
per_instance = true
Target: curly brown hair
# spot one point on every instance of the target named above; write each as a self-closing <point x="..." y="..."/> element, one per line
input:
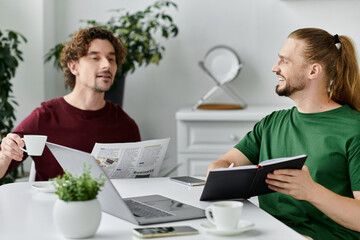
<point x="79" y="44"/>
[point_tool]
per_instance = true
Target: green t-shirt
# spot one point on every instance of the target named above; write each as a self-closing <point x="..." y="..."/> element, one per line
<point x="331" y="140"/>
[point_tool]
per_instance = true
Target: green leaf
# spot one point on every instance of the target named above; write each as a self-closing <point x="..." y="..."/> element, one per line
<point x="167" y="17"/>
<point x="174" y="30"/>
<point x="155" y="59"/>
<point x="54" y="53"/>
<point x="164" y="32"/>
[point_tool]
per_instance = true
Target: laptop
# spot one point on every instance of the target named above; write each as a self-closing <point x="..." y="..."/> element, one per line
<point x="138" y="210"/>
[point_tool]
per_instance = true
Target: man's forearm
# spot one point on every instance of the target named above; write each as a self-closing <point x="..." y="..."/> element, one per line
<point x="299" y="184"/>
<point x="220" y="163"/>
<point x="233" y="156"/>
<point x="343" y="210"/>
<point x="4" y="164"/>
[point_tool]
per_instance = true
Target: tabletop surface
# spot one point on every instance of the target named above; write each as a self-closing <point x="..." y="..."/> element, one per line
<point x="26" y="213"/>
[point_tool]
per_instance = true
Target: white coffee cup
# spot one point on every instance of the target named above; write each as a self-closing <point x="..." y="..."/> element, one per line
<point x="34" y="144"/>
<point x="225" y="215"/>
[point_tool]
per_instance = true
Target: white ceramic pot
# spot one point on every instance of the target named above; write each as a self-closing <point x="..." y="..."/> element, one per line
<point x="78" y="219"/>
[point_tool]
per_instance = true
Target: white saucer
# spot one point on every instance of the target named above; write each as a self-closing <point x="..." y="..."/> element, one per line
<point x="242" y="227"/>
<point x="44" y="186"/>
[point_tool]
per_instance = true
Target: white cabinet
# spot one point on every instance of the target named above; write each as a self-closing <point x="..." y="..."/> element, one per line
<point x="205" y="135"/>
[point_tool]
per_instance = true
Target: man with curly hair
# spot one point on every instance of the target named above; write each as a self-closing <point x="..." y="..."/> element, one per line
<point x="81" y="118"/>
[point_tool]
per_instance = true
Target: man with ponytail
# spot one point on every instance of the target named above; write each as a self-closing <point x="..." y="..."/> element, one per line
<point x="320" y="73"/>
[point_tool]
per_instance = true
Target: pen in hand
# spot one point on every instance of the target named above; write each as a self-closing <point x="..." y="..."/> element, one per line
<point x="231" y="165"/>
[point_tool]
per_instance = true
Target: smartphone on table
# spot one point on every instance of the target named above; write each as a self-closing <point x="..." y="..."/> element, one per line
<point x="190" y="181"/>
<point x="153" y="232"/>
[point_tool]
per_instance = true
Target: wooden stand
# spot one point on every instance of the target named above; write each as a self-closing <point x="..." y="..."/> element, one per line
<point x="220" y="106"/>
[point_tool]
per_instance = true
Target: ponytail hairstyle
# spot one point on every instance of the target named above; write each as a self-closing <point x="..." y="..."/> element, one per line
<point x="338" y="56"/>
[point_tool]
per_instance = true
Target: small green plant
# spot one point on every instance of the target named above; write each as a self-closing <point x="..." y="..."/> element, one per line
<point x="71" y="187"/>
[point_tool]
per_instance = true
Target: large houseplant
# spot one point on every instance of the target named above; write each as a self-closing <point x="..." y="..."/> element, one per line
<point x="77" y="212"/>
<point x="10" y="56"/>
<point x="137" y="31"/>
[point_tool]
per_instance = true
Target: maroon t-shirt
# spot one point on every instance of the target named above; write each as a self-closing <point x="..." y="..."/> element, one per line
<point x="74" y="128"/>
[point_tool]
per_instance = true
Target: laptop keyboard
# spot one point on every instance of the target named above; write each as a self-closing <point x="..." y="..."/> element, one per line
<point x="142" y="210"/>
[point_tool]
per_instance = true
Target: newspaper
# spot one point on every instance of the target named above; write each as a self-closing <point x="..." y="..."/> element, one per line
<point x="131" y="160"/>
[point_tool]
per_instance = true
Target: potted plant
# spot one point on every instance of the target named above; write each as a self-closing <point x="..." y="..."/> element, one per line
<point x="10" y="55"/>
<point x="77" y="211"/>
<point x="137" y="31"/>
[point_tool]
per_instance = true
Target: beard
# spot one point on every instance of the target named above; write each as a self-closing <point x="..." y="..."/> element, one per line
<point x="102" y="85"/>
<point x="289" y="89"/>
<point x="101" y="89"/>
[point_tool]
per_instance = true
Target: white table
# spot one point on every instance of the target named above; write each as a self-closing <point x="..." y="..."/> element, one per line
<point x="26" y="213"/>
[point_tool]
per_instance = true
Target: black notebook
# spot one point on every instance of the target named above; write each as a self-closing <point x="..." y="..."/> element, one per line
<point x="245" y="181"/>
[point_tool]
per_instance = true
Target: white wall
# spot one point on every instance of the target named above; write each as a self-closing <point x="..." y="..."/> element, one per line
<point x="256" y="29"/>
<point x="27" y="18"/>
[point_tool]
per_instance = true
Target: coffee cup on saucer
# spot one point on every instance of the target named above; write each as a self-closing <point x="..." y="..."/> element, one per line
<point x="225" y="215"/>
